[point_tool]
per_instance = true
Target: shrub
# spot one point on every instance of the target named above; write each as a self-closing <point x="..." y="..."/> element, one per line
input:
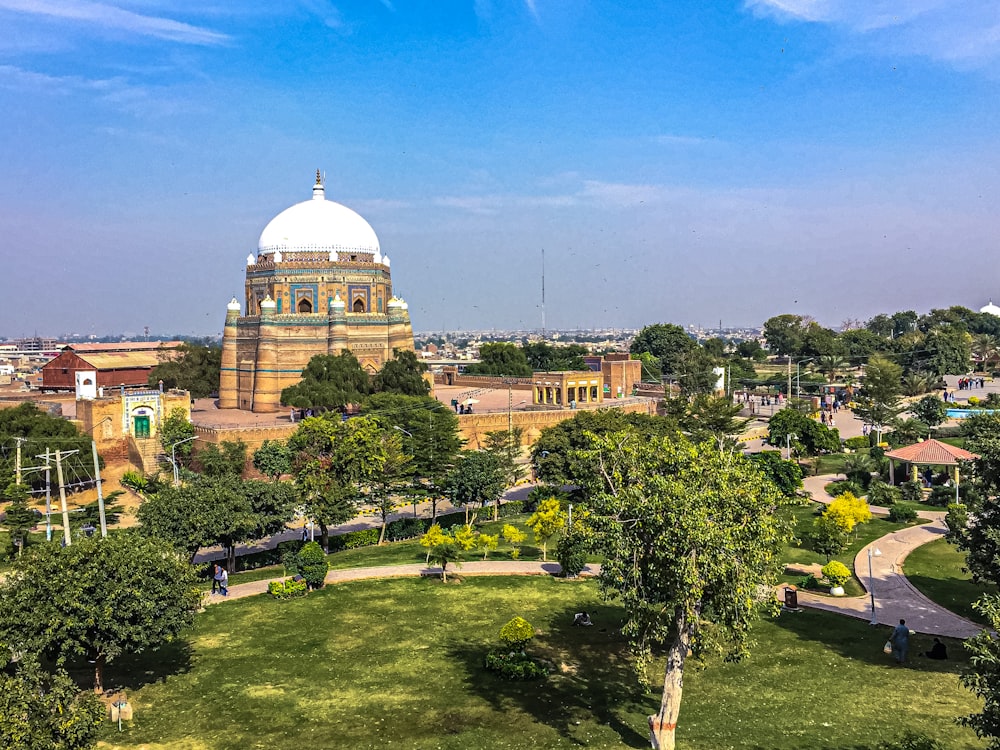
<point x="516" y="633"/>
<point x="941" y="496"/>
<point x="286" y="589"/>
<point x="973" y="401"/>
<point x="899" y="513"/>
<point x="843" y="487"/>
<point x="514" y="665"/>
<point x="857" y="443"/>
<point x="836" y="573"/>
<point x="880" y="493"/>
<point x="354" y="539"/>
<point x="571" y="551"/>
<point x="543" y="492"/>
<point x="513" y="508"/>
<point x="404" y="528"/>
<point x="134" y="481"/>
<point x="912" y="492"/>
<point x="911" y="741"/>
<point x="312" y="564"/>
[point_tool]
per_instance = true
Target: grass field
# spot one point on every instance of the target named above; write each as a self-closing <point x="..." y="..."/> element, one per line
<point x="935" y="569"/>
<point x="397" y="663"/>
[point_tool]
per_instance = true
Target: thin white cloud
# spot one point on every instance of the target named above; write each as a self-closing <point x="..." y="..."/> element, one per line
<point x="682" y="140"/>
<point x="327" y="13"/>
<point x="963" y="32"/>
<point x="532" y="9"/>
<point x="119" y="19"/>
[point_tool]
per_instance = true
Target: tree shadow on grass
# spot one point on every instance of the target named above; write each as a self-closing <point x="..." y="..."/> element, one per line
<point x="591" y="682"/>
<point x="856" y="639"/>
<point x="133" y="671"/>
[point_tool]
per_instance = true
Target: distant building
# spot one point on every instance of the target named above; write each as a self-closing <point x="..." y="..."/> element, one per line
<point x="127" y="363"/>
<point x="990" y="308"/>
<point x="319" y="284"/>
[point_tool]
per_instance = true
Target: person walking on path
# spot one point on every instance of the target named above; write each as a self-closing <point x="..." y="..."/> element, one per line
<point x="224" y="582"/>
<point x="900" y="640"/>
<point x="216" y="577"/>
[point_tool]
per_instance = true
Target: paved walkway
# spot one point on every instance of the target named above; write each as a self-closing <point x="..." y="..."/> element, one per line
<point x="895" y="596"/>
<point x="472" y="568"/>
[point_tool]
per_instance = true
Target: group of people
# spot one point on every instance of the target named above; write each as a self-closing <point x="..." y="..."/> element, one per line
<point x="899" y="645"/>
<point x="461" y="408"/>
<point x="965" y="384"/>
<point x="220" y="580"/>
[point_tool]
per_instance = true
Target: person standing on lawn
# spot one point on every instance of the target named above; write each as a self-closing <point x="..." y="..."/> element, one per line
<point x="900" y="639"/>
<point x="224" y="582"/>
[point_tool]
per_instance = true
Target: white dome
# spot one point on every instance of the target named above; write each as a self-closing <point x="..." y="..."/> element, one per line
<point x="318" y="225"/>
<point x="991" y="309"/>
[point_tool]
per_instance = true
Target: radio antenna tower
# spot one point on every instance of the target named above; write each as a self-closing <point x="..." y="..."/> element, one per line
<point x="543" y="292"/>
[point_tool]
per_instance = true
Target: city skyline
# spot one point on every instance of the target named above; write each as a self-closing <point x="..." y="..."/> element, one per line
<point x="675" y="162"/>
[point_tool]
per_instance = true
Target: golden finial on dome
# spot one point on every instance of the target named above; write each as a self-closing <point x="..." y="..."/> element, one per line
<point x="319" y="180"/>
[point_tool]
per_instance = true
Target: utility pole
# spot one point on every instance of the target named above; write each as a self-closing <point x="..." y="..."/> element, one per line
<point x="100" y="492"/>
<point x="17" y="460"/>
<point x="789" y="391"/>
<point x="67" y="537"/>
<point x="48" y="498"/>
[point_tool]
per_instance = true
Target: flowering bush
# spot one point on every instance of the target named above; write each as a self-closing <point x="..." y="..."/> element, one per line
<point x="836" y="573"/>
<point x="516" y="633"/>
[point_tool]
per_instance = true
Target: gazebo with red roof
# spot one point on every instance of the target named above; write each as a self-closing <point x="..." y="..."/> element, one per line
<point x="929" y="453"/>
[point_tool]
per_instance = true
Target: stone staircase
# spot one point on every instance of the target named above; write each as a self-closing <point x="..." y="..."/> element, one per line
<point x="145" y="453"/>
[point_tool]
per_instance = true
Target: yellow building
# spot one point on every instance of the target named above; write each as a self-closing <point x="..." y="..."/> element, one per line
<point x="319" y="284"/>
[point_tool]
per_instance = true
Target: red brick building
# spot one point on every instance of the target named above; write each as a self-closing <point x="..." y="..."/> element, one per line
<point x="127" y="363"/>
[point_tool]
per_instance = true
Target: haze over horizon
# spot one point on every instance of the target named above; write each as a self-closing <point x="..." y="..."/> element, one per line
<point x="676" y="161"/>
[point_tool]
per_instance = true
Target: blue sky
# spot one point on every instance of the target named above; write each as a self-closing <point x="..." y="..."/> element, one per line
<point x="677" y="161"/>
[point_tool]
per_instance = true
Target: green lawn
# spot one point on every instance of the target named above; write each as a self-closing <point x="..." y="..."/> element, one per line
<point x="397" y="663"/>
<point x="936" y="570"/>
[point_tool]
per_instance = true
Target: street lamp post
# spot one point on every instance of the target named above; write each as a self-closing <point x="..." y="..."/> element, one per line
<point x="173" y="457"/>
<point x="872" y="552"/>
<point x="798" y="382"/>
<point x="788" y="445"/>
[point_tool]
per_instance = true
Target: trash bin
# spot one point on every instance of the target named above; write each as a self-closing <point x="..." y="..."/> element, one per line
<point x="791" y="598"/>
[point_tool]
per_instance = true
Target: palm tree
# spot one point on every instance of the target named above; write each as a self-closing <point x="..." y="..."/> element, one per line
<point x="985" y="349"/>
<point x="830" y="366"/>
<point x="918" y="383"/>
<point x="859" y="467"/>
<point x="443" y="554"/>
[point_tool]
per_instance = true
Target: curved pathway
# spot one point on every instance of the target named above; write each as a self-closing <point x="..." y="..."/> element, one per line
<point x="895" y="596"/>
<point x="471" y="568"/>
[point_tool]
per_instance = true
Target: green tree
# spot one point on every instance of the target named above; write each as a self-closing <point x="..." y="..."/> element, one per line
<point x="444" y="553"/>
<point x="40" y="431"/>
<point x="651" y="370"/>
<point x="810" y="437"/>
<point x="690" y="536"/>
<point x="946" y="350"/>
<point x="786" y="475"/>
<point x="46" y="711"/>
<point x="784" y="334"/>
<point x="175" y="428"/>
<point x="387" y="470"/>
<point x="751" y="349"/>
<point x="879" y="402"/>
<point x="430" y="430"/>
<point x="216" y="510"/>
<point x="332" y="461"/>
<point x="191" y="367"/>
<point x="329" y="382"/>
<point x="982" y="676"/>
<point x="665" y="341"/>
<point x="506" y="446"/>
<point x="478" y="477"/>
<point x="311" y="563"/>
<point x="713" y="418"/>
<point x="514" y="537"/>
<point x="693" y="372"/>
<point x="975" y="525"/>
<point x="273" y="459"/>
<point x="227" y="459"/>
<point x="546" y="522"/>
<point x="554" y="453"/>
<point x="881" y="326"/>
<point x="503" y="359"/>
<point x="543" y="357"/>
<point x="99" y="598"/>
<point x="19" y="518"/>
<point x="402" y="374"/>
<point x="829" y="538"/>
